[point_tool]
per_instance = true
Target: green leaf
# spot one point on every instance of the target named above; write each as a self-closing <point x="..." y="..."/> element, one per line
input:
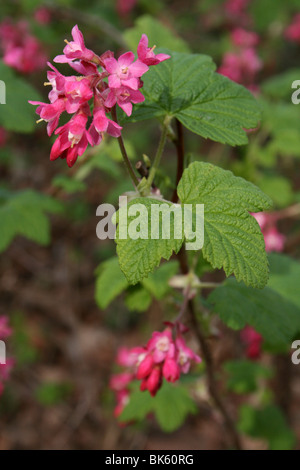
<point x="17" y="114"/>
<point x="243" y="375"/>
<point x="275" y="317"/>
<point x="232" y="237"/>
<point x="267" y="423"/>
<point x="137" y="299"/>
<point x="157" y="34"/>
<point x="69" y="185"/>
<point x="284" y="277"/>
<point x="23" y="213"/>
<point x="171" y="405"/>
<point x="209" y="104"/>
<point x="110" y="282"/>
<point x="157" y="282"/>
<point x="138" y="257"/>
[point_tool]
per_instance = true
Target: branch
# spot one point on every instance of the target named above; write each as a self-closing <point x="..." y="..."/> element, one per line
<point x="212" y="384"/>
<point x="210" y="371"/>
<point x="158" y="155"/>
<point x="124" y="153"/>
<point x="179" y="143"/>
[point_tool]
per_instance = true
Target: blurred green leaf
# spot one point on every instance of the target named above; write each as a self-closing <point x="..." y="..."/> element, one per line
<point x="23" y="213"/>
<point x="274" y="316"/>
<point x="280" y="86"/>
<point x="243" y="375"/>
<point x="137" y="299"/>
<point x="157" y="282"/>
<point x="278" y="188"/>
<point x="68" y="184"/>
<point x="267" y="423"/>
<point x="110" y="282"/>
<point x="286" y="143"/>
<point x="17" y="114"/>
<point x="284" y="277"/>
<point x="279" y="116"/>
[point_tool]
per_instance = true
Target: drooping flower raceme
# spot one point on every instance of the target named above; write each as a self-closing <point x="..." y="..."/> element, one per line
<point x="166" y="356"/>
<point x="104" y="82"/>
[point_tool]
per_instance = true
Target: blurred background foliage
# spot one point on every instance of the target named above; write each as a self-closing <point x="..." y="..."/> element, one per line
<point x="65" y="331"/>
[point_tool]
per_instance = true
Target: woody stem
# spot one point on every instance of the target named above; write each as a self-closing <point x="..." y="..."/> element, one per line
<point x="124" y="153"/>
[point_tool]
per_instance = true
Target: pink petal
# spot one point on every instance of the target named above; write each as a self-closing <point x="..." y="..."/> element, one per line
<point x="138" y="68"/>
<point x="72" y="156"/>
<point x="162" y="57"/>
<point x="110" y="100"/>
<point x="142" y="47"/>
<point x="126" y="59"/>
<point x="111" y="65"/>
<point x="114" y="81"/>
<point x="77" y="36"/>
<point x="113" y="129"/>
<point x="130" y="82"/>
<point x="127" y="108"/>
<point x="61" y="59"/>
<point x="82" y="146"/>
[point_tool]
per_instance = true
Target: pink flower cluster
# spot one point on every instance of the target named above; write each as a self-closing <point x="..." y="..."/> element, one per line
<point x="292" y="32"/>
<point x="118" y="82"/>
<point x="5" y="332"/>
<point x="274" y="240"/>
<point x="242" y="65"/>
<point x="21" y="50"/>
<point x="252" y="341"/>
<point x="166" y="356"/>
